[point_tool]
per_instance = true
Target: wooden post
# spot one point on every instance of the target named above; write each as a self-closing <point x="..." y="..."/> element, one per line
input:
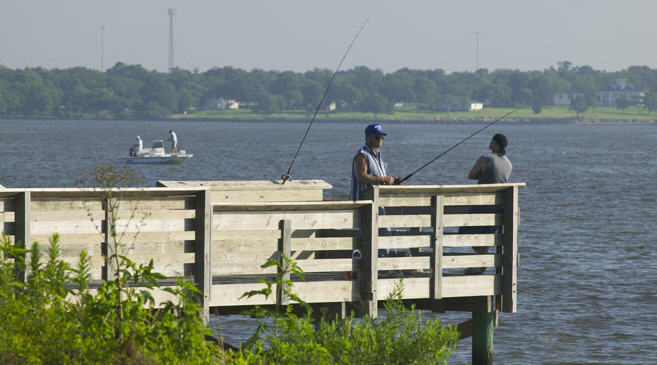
<point x="111" y="270"/>
<point x="285" y="249"/>
<point x="369" y="249"/>
<point x="482" y="337"/>
<point x="203" y="251"/>
<point x="510" y="247"/>
<point x="437" y="246"/>
<point x="22" y="230"/>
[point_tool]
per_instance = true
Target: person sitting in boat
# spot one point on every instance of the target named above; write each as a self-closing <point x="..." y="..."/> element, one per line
<point x="174" y="141"/>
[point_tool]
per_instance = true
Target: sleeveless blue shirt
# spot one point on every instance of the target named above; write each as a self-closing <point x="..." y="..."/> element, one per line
<point x="375" y="166"/>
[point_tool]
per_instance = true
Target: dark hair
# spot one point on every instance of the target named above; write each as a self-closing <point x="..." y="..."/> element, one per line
<point x="501" y="142"/>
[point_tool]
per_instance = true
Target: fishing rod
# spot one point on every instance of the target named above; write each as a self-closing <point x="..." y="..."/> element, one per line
<point x="456" y="145"/>
<point x="286" y="176"/>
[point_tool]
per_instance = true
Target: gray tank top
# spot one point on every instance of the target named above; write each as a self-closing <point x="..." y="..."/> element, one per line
<point x="375" y="166"/>
<point x="498" y="169"/>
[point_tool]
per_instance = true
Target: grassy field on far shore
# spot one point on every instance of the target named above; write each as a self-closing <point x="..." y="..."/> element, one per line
<point x="601" y="114"/>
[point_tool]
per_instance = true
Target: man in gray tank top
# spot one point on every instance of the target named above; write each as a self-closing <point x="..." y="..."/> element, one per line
<point x="495" y="167"/>
<point x="492" y="168"/>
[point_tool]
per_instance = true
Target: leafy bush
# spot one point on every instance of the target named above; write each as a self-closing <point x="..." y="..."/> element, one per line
<point x="401" y="337"/>
<point x="46" y="322"/>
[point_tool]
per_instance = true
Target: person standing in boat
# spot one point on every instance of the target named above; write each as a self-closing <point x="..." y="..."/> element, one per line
<point x="174" y="141"/>
<point x="492" y="168"/>
<point x="139" y="145"/>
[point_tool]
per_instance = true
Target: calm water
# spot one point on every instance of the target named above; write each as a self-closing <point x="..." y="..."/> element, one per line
<point x="587" y="287"/>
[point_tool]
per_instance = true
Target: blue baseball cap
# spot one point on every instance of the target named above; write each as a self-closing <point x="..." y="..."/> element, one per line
<point x="375" y="129"/>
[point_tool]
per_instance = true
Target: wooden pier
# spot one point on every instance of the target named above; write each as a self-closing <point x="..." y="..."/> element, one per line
<point x="218" y="234"/>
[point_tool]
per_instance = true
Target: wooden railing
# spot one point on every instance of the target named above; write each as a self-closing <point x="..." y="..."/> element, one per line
<point x="221" y="246"/>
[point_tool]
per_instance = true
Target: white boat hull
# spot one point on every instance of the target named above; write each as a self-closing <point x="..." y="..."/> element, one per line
<point x="172" y="159"/>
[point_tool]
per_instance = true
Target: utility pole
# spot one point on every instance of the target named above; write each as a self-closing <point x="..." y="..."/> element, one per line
<point x="171" y="14"/>
<point x="477" y="51"/>
<point x="102" y="48"/>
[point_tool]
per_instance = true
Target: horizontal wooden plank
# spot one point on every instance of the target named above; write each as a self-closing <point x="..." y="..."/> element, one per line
<point x="9" y="216"/>
<point x="324" y="243"/>
<point x="251" y="267"/>
<point x="320" y="206"/>
<point x="156" y="237"/>
<point x="326" y="265"/>
<point x="474" y="199"/>
<point x="265" y="196"/>
<point x="300" y="220"/>
<point x="57" y="205"/>
<point x="67" y="215"/>
<point x="403" y="263"/>
<point x="470" y="286"/>
<point x="83" y="240"/>
<point x="410" y="220"/>
<point x="156" y="214"/>
<point x="153" y="225"/>
<point x="155" y="203"/>
<point x="385" y="190"/>
<point x="404" y="241"/>
<point x="469" y="220"/>
<point x="404" y="200"/>
<point x="229" y="185"/>
<point x="464" y="261"/>
<point x="229" y="295"/>
<point x="327" y="291"/>
<point x="467" y="240"/>
<point x="412" y="288"/>
<point x="65" y="227"/>
<point x="243" y="247"/>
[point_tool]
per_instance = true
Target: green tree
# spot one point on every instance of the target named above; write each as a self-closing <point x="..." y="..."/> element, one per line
<point x="650" y="101"/>
<point x="376" y="103"/>
<point x="579" y="105"/>
<point x="623" y="103"/>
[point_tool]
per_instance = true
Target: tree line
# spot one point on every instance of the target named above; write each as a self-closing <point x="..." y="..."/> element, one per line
<point x="131" y="91"/>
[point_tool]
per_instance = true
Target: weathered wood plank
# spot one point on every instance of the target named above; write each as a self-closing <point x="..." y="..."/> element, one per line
<point x="464" y="261"/>
<point x="57" y="205"/>
<point x="436" y="262"/>
<point x="468" y="220"/>
<point x="269" y="220"/>
<point x="470" y="286"/>
<point x="449" y="199"/>
<point x="412" y="288"/>
<point x="265" y="196"/>
<point x="65" y="227"/>
<point x="471" y="240"/>
<point x="250" y="267"/>
<point x="326" y="265"/>
<point x="156" y="214"/>
<point x="410" y="220"/>
<point x="230" y="294"/>
<point x="404" y="263"/>
<point x="510" y="247"/>
<point x="405" y="241"/>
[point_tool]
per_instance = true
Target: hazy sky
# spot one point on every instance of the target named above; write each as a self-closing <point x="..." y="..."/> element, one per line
<point x="300" y="35"/>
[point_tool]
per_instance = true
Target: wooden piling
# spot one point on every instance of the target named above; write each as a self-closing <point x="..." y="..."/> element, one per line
<point x="482" y="337"/>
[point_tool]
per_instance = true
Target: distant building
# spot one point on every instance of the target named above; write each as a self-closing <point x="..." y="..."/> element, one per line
<point x="565" y="98"/>
<point x="221" y="104"/>
<point x="476" y="106"/>
<point x="621" y="88"/>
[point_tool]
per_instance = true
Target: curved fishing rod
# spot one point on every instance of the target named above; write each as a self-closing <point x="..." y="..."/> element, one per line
<point x="458" y="144"/>
<point x="286" y="176"/>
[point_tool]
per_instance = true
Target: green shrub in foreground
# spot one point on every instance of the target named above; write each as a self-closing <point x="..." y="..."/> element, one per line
<point x="52" y="318"/>
<point x="43" y="324"/>
<point x="401" y="337"/>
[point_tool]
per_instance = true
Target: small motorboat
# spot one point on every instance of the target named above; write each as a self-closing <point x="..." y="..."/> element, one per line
<point x="157" y="155"/>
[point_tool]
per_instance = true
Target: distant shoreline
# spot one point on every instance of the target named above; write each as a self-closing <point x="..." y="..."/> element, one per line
<point x="346" y="119"/>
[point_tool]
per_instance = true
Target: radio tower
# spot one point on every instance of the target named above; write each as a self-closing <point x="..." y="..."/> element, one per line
<point x="171" y="14"/>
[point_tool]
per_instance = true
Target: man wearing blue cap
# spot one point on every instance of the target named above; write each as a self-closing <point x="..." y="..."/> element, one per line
<point x="368" y="167"/>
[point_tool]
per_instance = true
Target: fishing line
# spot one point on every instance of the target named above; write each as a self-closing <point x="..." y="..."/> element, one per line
<point x="458" y="144"/>
<point x="286" y="176"/>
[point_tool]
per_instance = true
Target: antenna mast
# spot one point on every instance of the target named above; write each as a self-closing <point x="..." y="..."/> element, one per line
<point x="171" y="14"/>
